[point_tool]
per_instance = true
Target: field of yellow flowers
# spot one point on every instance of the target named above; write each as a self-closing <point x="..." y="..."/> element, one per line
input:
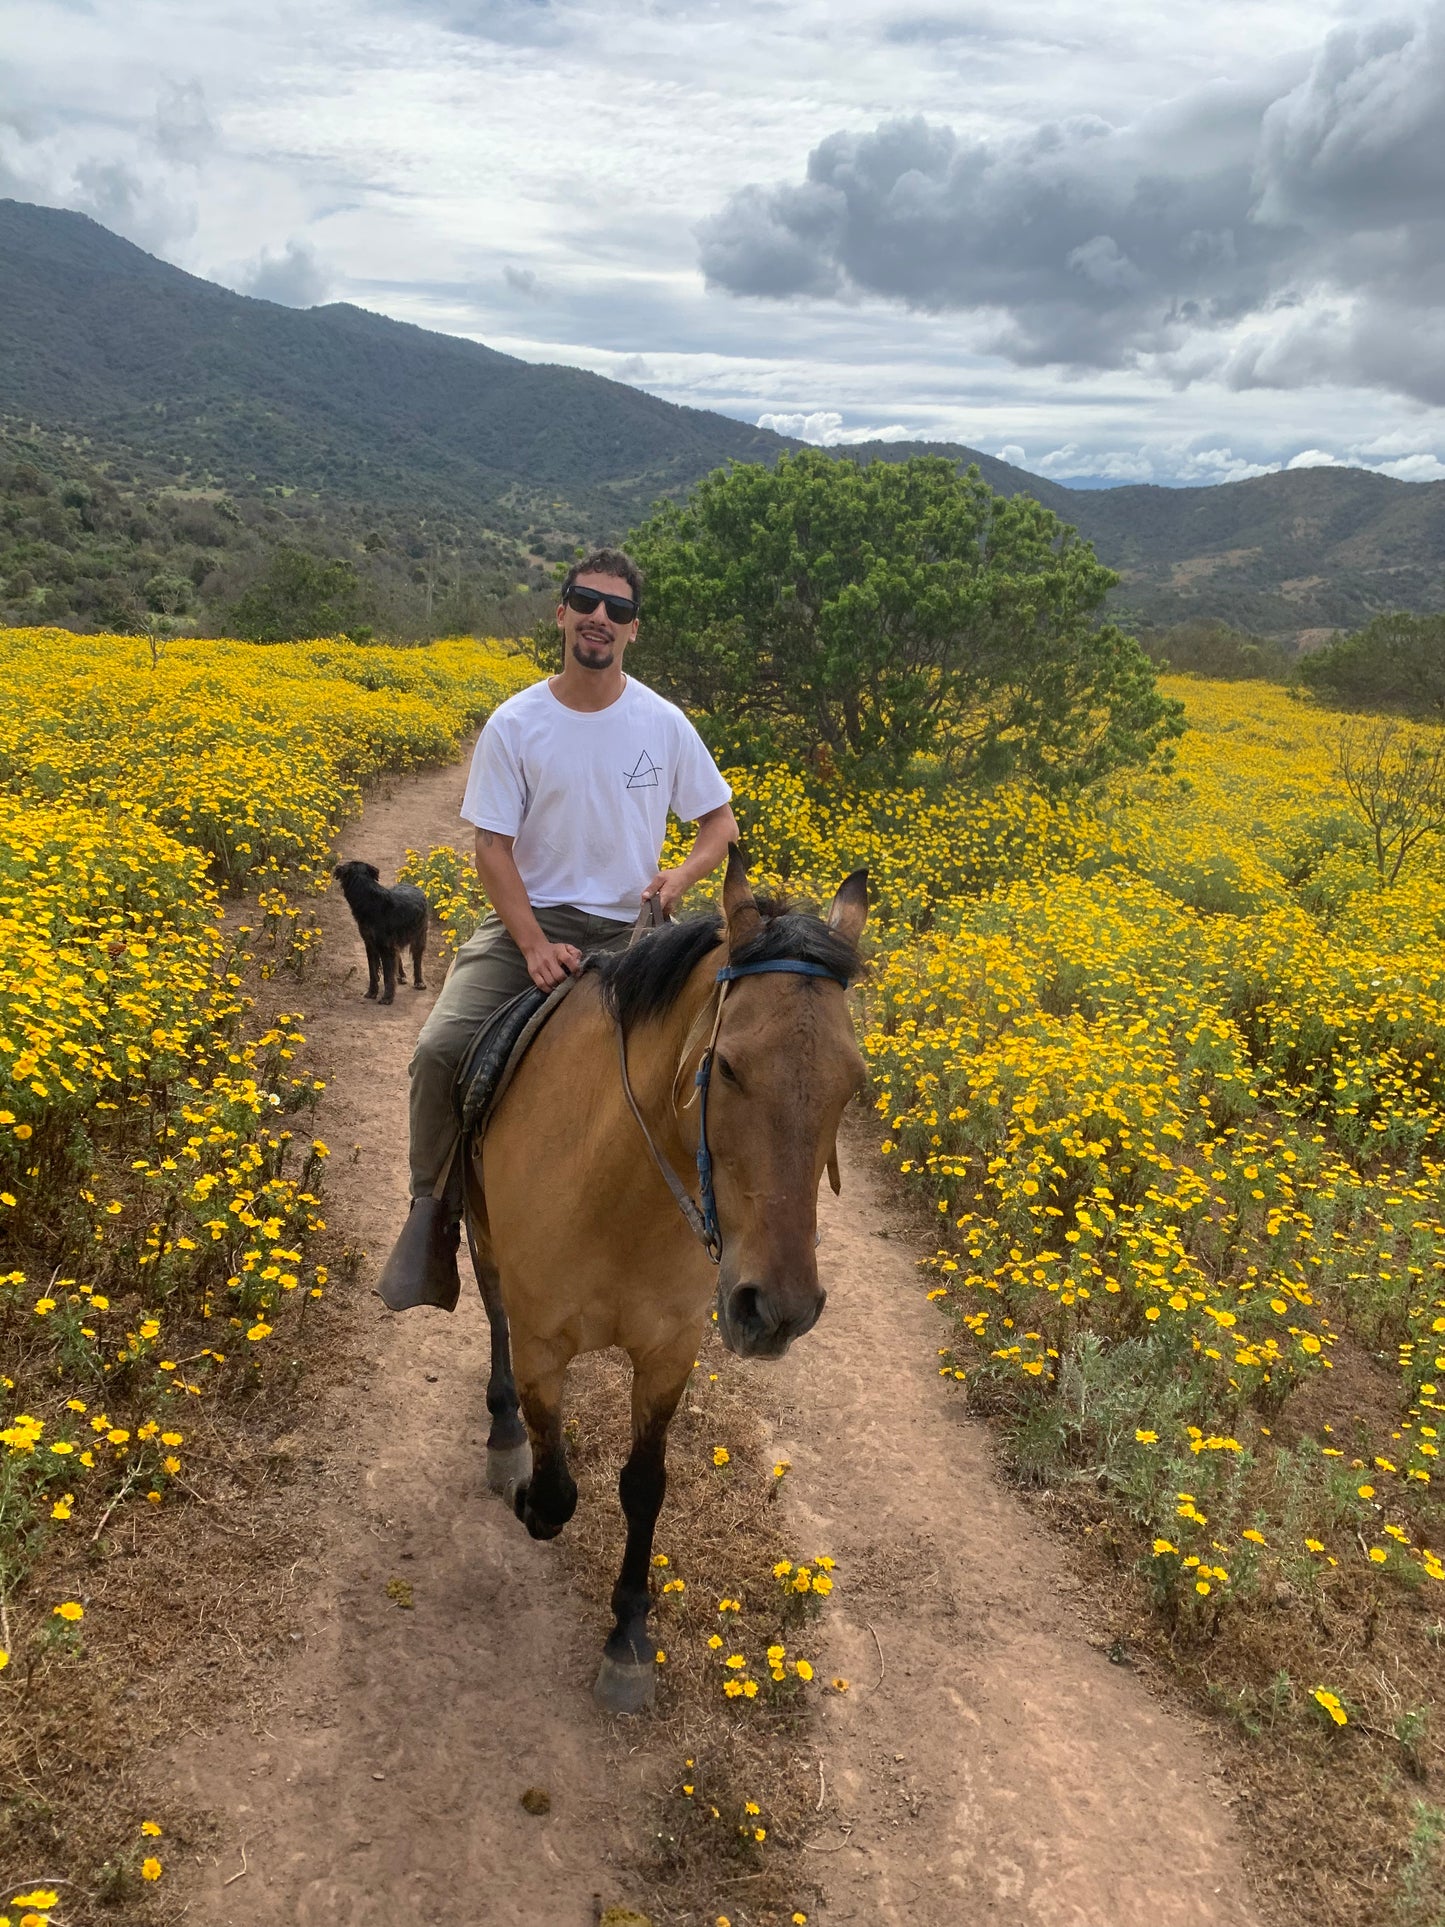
<point x="157" y="1184"/>
<point x="1165" y="1066"/>
<point x="1167" y="1070"/>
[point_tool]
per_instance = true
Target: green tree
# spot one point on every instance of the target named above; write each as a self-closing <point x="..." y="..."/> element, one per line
<point x="1209" y="647"/>
<point x="1396" y="662"/>
<point x="299" y="596"/>
<point x="864" y="613"/>
<point x="168" y="595"/>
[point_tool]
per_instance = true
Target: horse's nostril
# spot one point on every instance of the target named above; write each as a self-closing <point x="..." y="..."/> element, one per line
<point x="750" y="1312"/>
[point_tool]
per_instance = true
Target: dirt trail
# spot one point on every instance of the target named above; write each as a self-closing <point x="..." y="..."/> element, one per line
<point x="1002" y="1771"/>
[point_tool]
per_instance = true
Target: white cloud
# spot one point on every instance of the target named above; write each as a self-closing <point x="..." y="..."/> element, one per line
<point x="824" y="426"/>
<point x="1314" y="458"/>
<point x="1413" y="468"/>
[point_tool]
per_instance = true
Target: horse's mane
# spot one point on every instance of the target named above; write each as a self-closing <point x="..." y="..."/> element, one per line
<point x="646" y="980"/>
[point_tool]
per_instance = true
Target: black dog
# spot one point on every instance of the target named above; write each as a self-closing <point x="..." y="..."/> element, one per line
<point x="390" y="921"/>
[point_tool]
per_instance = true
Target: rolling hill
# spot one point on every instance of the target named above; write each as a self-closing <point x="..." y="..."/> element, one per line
<point x="155" y="378"/>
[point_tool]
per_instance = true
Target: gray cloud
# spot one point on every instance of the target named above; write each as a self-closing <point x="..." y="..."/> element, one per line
<point x="133" y="188"/>
<point x="295" y="278"/>
<point x="1312" y="204"/>
<point x="525" y="282"/>
<point x="507" y="23"/>
<point x="183" y="129"/>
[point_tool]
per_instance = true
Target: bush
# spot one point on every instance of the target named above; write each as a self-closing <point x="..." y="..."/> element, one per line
<point x="855" y="615"/>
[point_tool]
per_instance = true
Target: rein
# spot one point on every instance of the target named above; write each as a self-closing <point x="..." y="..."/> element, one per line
<point x="703" y="1219"/>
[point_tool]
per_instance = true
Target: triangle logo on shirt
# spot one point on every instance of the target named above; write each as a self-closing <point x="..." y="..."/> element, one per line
<point x="644" y="774"/>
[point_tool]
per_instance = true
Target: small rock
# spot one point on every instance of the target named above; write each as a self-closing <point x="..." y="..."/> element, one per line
<point x="431" y="1377"/>
<point x="378" y="1776"/>
<point x="537" y="1799"/>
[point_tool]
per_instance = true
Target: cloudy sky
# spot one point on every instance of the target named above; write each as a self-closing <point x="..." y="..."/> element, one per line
<point x="1134" y="242"/>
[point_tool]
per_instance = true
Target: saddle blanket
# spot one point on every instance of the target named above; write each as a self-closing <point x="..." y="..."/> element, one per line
<point x="491" y="1059"/>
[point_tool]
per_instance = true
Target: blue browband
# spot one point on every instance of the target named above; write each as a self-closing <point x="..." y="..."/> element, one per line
<point x="709" y="1230"/>
<point x="793" y="966"/>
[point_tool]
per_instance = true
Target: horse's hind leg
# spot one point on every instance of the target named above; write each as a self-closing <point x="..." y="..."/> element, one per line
<point x="509" y="1457"/>
<point x="627" y="1678"/>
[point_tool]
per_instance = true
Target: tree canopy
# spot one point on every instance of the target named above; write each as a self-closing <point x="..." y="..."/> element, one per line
<point x="300" y="595"/>
<point x="1396" y="662"/>
<point x="869" y="612"/>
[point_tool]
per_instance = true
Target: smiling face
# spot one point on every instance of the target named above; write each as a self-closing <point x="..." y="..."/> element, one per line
<point x="594" y="640"/>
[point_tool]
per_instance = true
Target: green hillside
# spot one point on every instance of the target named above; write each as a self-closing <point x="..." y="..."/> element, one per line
<point x="453" y="476"/>
<point x="1283" y="555"/>
<point x="98" y="338"/>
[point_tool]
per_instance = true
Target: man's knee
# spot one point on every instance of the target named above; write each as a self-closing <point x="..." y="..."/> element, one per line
<point x="438" y="1051"/>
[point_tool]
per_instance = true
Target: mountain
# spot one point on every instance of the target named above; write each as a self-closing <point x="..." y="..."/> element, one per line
<point x="339" y="419"/>
<point x="98" y="338"/>
<point x="1284" y="555"/>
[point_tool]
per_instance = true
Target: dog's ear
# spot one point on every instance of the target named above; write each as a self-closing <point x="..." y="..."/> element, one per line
<point x="372" y="871"/>
<point x="339" y="871"/>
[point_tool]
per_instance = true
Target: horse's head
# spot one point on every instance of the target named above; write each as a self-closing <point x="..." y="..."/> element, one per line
<point x="786" y="1063"/>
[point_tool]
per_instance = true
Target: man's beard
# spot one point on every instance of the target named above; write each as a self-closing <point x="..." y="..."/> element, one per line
<point x="593" y="661"/>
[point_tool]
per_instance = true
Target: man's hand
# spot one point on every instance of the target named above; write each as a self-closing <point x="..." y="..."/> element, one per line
<point x="549" y="963"/>
<point x="668" y="887"/>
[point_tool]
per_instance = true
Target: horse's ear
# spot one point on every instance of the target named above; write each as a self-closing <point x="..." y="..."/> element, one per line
<point x="744" y="919"/>
<point x="849" y="910"/>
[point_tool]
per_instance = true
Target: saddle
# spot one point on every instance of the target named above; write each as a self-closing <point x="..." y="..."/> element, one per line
<point x="491" y="1059"/>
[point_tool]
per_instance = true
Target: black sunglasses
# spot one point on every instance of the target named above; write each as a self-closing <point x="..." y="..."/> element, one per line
<point x="621" y="609"/>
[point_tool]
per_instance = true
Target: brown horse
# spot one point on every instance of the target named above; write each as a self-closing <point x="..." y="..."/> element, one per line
<point x="573" y="1196"/>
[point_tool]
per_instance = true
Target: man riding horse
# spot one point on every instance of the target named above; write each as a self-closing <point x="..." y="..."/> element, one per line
<point x="569" y="792"/>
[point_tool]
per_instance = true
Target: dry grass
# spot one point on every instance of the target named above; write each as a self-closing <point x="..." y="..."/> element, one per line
<point x="188" y="1614"/>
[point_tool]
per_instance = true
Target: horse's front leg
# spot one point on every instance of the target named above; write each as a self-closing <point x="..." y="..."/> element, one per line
<point x="546" y="1500"/>
<point x="509" y="1457"/>
<point x="627" y="1678"/>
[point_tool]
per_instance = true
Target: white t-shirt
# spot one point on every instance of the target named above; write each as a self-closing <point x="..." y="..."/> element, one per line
<point x="585" y="794"/>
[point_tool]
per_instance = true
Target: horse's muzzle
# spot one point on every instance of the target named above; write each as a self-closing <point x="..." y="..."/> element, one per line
<point x="753" y="1323"/>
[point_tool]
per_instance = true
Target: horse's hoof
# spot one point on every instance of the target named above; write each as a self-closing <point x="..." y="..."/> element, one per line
<point x="625" y="1688"/>
<point x="508" y="1467"/>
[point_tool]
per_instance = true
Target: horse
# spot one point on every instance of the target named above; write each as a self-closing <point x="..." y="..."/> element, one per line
<point x="720" y="1042"/>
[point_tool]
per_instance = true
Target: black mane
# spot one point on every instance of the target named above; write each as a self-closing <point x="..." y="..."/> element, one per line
<point x="646" y="980"/>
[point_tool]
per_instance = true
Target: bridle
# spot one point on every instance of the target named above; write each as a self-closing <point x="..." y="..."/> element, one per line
<point x="703" y="1218"/>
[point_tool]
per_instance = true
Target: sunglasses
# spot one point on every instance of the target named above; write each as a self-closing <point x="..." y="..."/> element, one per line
<point x="621" y="609"/>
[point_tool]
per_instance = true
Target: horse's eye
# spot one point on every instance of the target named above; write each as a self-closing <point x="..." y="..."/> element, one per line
<point x="727" y="1070"/>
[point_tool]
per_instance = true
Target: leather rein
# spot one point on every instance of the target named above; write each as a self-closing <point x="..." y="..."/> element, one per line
<point x="702" y="1218"/>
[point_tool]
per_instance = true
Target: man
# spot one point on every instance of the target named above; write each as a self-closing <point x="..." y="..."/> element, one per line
<point x="568" y="794"/>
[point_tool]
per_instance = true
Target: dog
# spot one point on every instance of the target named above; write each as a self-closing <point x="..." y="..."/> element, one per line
<point x="390" y="921"/>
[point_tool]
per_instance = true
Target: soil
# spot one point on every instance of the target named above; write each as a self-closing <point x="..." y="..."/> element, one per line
<point x="987" y="1764"/>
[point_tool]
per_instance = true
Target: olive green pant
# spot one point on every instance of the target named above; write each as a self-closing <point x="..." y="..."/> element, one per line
<point x="488" y="972"/>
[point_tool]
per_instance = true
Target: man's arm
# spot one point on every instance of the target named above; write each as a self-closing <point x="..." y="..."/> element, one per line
<point x="547" y="962"/>
<point x="716" y="829"/>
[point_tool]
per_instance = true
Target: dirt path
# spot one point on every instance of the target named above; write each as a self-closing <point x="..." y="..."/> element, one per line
<point x="1001" y="1771"/>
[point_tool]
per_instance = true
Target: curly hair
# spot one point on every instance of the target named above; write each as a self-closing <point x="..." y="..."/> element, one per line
<point x="606" y="562"/>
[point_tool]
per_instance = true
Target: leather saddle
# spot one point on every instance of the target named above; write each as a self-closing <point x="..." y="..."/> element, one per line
<point x="491" y="1059"/>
